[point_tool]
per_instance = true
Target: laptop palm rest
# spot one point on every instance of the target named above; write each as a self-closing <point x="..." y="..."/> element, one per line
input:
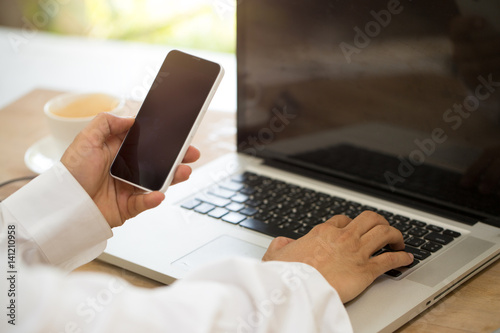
<point x="219" y="248"/>
<point x="438" y="270"/>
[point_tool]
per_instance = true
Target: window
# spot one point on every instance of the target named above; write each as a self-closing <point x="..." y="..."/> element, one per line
<point x="200" y="24"/>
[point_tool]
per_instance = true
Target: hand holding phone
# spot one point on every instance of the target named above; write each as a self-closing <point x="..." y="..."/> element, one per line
<point x="167" y="121"/>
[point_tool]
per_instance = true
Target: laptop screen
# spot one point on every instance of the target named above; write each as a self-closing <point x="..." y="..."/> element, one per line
<point x="396" y="96"/>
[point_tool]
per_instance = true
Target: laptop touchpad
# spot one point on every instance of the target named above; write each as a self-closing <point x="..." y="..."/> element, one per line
<point x="220" y="248"/>
<point x="447" y="263"/>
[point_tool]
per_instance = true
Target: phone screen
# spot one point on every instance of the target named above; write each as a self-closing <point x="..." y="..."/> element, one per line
<point x="164" y="120"/>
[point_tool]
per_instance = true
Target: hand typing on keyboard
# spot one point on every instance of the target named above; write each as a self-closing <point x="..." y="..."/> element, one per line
<point x="341" y="250"/>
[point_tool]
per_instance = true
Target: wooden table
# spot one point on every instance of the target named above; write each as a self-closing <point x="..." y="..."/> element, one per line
<point x="474" y="307"/>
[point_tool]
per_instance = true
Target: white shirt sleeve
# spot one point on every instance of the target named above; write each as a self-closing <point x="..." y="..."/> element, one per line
<point x="57" y="224"/>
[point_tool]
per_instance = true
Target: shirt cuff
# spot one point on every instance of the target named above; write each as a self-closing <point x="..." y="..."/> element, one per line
<point x="60" y="218"/>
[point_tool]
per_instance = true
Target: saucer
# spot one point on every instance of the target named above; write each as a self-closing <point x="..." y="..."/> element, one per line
<point x="42" y="155"/>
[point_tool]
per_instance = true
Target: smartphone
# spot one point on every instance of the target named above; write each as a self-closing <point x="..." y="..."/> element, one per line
<point x="166" y="122"/>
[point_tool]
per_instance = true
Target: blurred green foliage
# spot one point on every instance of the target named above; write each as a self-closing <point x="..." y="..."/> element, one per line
<point x="201" y="24"/>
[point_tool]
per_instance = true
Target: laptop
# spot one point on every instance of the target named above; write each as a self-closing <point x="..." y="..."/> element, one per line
<point x="342" y="107"/>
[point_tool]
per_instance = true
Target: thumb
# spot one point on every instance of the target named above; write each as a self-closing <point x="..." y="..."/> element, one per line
<point x="118" y="125"/>
<point x="105" y="125"/>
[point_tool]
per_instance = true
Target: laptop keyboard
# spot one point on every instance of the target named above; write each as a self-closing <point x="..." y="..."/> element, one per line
<point x="277" y="208"/>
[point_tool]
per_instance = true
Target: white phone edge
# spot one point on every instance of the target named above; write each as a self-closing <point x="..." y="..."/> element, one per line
<point x="187" y="142"/>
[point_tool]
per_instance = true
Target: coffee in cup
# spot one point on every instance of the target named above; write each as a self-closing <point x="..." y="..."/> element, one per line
<point x="68" y="114"/>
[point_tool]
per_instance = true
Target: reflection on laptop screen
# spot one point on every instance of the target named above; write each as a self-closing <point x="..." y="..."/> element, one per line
<point x="401" y="96"/>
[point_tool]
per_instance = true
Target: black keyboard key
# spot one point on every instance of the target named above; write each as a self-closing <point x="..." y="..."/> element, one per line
<point x="418" y="232"/>
<point x="351" y="213"/>
<point x="248" y="190"/>
<point x="413" y="264"/>
<point x="204" y="208"/>
<point x="218" y="212"/>
<point x="417" y="223"/>
<point x="417" y="253"/>
<point x="413" y="241"/>
<point x="233" y="218"/>
<point x="432" y="247"/>
<point x="248" y="211"/>
<point x="353" y="204"/>
<point x="263" y="216"/>
<point x="191" y="204"/>
<point x="290" y="225"/>
<point x="393" y="273"/>
<point x="438" y="238"/>
<point x="385" y="213"/>
<point x="267" y="207"/>
<point x="296" y="216"/>
<point x="268" y="229"/>
<point x="275" y="221"/>
<point x="370" y="208"/>
<point x="304" y="229"/>
<point x="253" y="203"/>
<point x="434" y="228"/>
<point x="309" y="221"/>
<point x="403" y="227"/>
<point x="334" y="200"/>
<point x="401" y="218"/>
<point x="451" y="233"/>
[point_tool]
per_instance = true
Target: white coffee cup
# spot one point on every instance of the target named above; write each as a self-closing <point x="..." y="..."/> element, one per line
<point x="68" y="114"/>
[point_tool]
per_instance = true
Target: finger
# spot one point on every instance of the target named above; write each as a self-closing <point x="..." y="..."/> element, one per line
<point x="366" y="221"/>
<point x="339" y="221"/>
<point x="380" y="236"/>
<point x="181" y="174"/>
<point x="140" y="202"/>
<point x="192" y="155"/>
<point x="389" y="260"/>
<point x="277" y="244"/>
<point x="118" y="125"/>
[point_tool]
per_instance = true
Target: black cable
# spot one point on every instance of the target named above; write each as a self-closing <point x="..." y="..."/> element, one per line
<point x="16" y="180"/>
